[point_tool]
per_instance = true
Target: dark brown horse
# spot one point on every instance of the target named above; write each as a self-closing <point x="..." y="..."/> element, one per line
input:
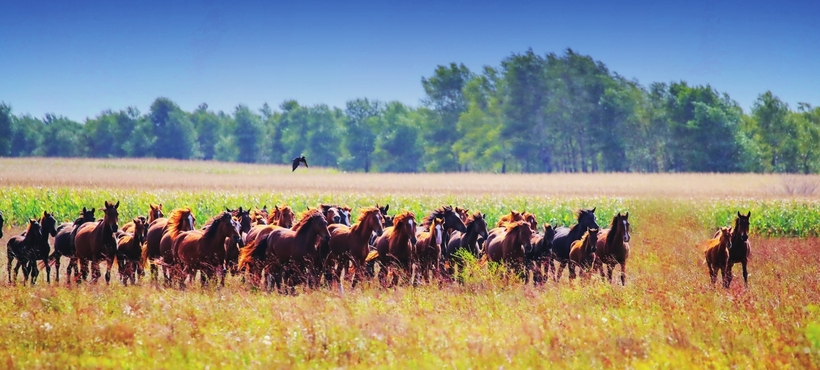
<point x="509" y="244"/>
<point x="582" y="253"/>
<point x="2" y="224"/>
<point x="463" y="213"/>
<point x="613" y="247"/>
<point x="95" y="243"/>
<point x="332" y="213"/>
<point x="452" y="221"/>
<point x="48" y="225"/>
<point x="161" y="233"/>
<point x="205" y="251"/>
<point x="351" y="243"/>
<point x="540" y="259"/>
<point x="64" y="244"/>
<point x="395" y="249"/>
<point x="717" y="255"/>
<point x="562" y="242"/>
<point x="741" y="248"/>
<point x="476" y="226"/>
<point x="23" y="248"/>
<point x="129" y="251"/>
<point x="428" y="250"/>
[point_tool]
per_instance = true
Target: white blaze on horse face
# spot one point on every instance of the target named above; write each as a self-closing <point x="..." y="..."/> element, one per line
<point x="438" y="234"/>
<point x="626" y="232"/>
<point x="412" y="225"/>
<point x="236" y="227"/>
<point x="191" y="221"/>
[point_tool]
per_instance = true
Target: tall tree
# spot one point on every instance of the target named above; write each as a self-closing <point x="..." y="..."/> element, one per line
<point x="445" y="97"/>
<point x="359" y="139"/>
<point x="249" y="134"/>
<point x="176" y="137"/>
<point x="5" y="129"/>
<point x="772" y="129"/>
<point x="207" y="125"/>
<point x="64" y="137"/>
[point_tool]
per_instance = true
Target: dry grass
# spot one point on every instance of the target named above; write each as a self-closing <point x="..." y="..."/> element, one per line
<point x="180" y="175"/>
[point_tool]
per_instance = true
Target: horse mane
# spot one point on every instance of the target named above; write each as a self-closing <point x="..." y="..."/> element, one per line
<point x="214" y="221"/>
<point x="174" y="221"/>
<point x="513" y="226"/>
<point x="610" y="236"/>
<point x="363" y="215"/>
<point x="306" y="217"/>
<point x="398" y="219"/>
<point x="440" y="212"/>
<point x="585" y="238"/>
<point x="29" y="234"/>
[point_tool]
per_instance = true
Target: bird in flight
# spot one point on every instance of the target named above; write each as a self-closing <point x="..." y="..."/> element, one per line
<point x="297" y="161"/>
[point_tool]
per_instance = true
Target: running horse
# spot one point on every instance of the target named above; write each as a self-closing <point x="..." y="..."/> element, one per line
<point x="2" y="224"/>
<point x="452" y="221"/>
<point x="717" y="253"/>
<point x="540" y="257"/>
<point x="613" y="247"/>
<point x="95" y="242"/>
<point x="428" y="250"/>
<point x="48" y="226"/>
<point x="282" y="217"/>
<point x="396" y="247"/>
<point x="154" y="213"/>
<point x="582" y="253"/>
<point x="205" y="251"/>
<point x="509" y="244"/>
<point x="562" y="242"/>
<point x="161" y="233"/>
<point x="23" y="248"/>
<point x="64" y="244"/>
<point x="350" y="244"/>
<point x="129" y="251"/>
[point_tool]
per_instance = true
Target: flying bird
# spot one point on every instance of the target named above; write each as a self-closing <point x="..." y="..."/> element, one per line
<point x="297" y="161"/>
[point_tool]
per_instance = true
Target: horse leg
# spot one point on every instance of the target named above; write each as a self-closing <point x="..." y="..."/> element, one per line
<point x="109" y="263"/>
<point x="8" y="266"/>
<point x="712" y="274"/>
<point x="73" y="264"/>
<point x="56" y="267"/>
<point x="83" y="268"/>
<point x="571" y="268"/>
<point x="745" y="274"/>
<point x="623" y="273"/>
<point x="95" y="270"/>
<point x="48" y="270"/>
<point x="609" y="268"/>
<point x="561" y="270"/>
<point x="727" y="275"/>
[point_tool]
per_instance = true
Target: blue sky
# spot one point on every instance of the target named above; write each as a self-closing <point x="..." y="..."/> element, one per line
<point x="79" y="58"/>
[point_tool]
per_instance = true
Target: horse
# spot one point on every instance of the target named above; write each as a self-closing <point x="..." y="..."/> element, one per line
<point x="613" y="247"/>
<point x="332" y="213"/>
<point x="351" y="243"/>
<point x="513" y="216"/>
<point x="154" y="212"/>
<point x="23" y="248"/>
<point x="539" y="259"/>
<point x="129" y="251"/>
<point x="463" y="213"/>
<point x="2" y="224"/>
<point x="64" y="243"/>
<point x="509" y="244"/>
<point x="205" y="251"/>
<point x="530" y="218"/>
<point x="476" y="228"/>
<point x="395" y="248"/>
<point x="452" y="221"/>
<point x="742" y="248"/>
<point x="259" y="216"/>
<point x="428" y="250"/>
<point x="716" y="254"/>
<point x="582" y="253"/>
<point x="286" y="252"/>
<point x="48" y="225"/>
<point x="562" y="241"/>
<point x="95" y="241"/>
<point x="161" y="233"/>
<point x="280" y="218"/>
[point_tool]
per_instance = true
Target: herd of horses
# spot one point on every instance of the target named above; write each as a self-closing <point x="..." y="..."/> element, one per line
<point x="278" y="248"/>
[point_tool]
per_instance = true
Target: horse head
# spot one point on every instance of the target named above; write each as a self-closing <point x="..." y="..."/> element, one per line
<point x="742" y="226"/>
<point x="111" y="216"/>
<point x="48" y="224"/>
<point x="587" y="219"/>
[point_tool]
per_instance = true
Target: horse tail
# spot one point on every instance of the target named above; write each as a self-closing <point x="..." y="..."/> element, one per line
<point x="372" y="256"/>
<point x="52" y="259"/>
<point x="246" y="254"/>
<point x="484" y="260"/>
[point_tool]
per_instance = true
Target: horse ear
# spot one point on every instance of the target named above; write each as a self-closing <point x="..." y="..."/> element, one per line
<point x="738" y="214"/>
<point x="160" y="205"/>
<point x="106" y="204"/>
<point x="749" y="214"/>
<point x="593" y="209"/>
<point x="117" y="205"/>
<point x="84" y="210"/>
<point x="94" y="210"/>
<point x="386" y="207"/>
<point x="626" y="215"/>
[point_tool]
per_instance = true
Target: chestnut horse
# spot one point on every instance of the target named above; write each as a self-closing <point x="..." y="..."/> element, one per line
<point x="23" y="248"/>
<point x="64" y="244"/>
<point x="280" y="218"/>
<point x="452" y="221"/>
<point x="395" y="248"/>
<point x="154" y="212"/>
<point x="741" y="247"/>
<point x="717" y="252"/>
<point x="428" y="250"/>
<point x="582" y="253"/>
<point x="351" y="243"/>
<point x="509" y="244"/>
<point x="48" y="227"/>
<point x="161" y="233"/>
<point x="562" y="242"/>
<point x="463" y="213"/>
<point x="613" y="247"/>
<point x="95" y="242"/>
<point x="205" y="251"/>
<point x="513" y="216"/>
<point x="129" y="251"/>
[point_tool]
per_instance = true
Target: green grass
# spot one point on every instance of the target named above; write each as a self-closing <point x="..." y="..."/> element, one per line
<point x="770" y="217"/>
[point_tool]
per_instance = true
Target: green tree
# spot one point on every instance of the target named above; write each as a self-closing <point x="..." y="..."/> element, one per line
<point x="249" y="134"/>
<point x="323" y="135"/>
<point x="6" y="119"/>
<point x="207" y="125"/>
<point x="399" y="145"/>
<point x="361" y="117"/>
<point x="26" y="136"/>
<point x="445" y="97"/>
<point x="772" y="129"/>
<point x="64" y="137"/>
<point x="176" y="137"/>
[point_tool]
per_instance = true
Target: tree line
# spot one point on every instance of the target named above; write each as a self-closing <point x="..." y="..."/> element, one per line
<point x="532" y="113"/>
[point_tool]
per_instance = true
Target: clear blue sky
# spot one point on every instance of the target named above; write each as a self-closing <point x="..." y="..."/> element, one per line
<point x="78" y="58"/>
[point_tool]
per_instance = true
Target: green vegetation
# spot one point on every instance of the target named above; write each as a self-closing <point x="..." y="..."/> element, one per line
<point x="770" y="217"/>
<point x="532" y="113"/>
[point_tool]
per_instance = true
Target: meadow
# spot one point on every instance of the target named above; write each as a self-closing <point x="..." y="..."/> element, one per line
<point x="667" y="315"/>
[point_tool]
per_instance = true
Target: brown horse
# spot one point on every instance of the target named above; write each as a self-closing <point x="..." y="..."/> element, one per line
<point x="2" y="224"/>
<point x="161" y="233"/>
<point x="509" y="244"/>
<point x="154" y="212"/>
<point x="582" y="253"/>
<point x="530" y="218"/>
<point x="395" y="248"/>
<point x="562" y="241"/>
<point x="351" y="243"/>
<point x="540" y="258"/>
<point x="48" y="227"/>
<point x="64" y="244"/>
<point x="428" y="250"/>
<point x="741" y="247"/>
<point x="613" y="247"/>
<point x="95" y="242"/>
<point x="332" y="213"/>
<point x="717" y="255"/>
<point x="280" y="218"/>
<point x="463" y="213"/>
<point x="205" y="251"/>
<point x="513" y="216"/>
<point x="476" y="227"/>
<point x="23" y="247"/>
<point x="129" y="251"/>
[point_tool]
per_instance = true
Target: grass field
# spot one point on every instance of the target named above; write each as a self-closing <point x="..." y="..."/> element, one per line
<point x="667" y="316"/>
